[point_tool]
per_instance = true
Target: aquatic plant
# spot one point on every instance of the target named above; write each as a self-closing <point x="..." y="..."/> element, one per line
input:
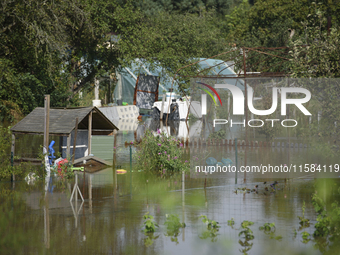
<point x="149" y="224"/>
<point x="149" y="240"/>
<point x="248" y="236"/>
<point x="303" y="221"/>
<point x="268" y="227"/>
<point x="247" y="246"/>
<point x="247" y="232"/>
<point x="305" y="237"/>
<point x="161" y="154"/>
<point x="246" y="223"/>
<point x="231" y="222"/>
<point x="173" y="225"/>
<point x="325" y="225"/>
<point x="212" y="229"/>
<point x="273" y="236"/>
<point x="211" y="224"/>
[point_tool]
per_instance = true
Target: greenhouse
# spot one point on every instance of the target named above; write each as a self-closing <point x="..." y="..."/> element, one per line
<point x="127" y="77"/>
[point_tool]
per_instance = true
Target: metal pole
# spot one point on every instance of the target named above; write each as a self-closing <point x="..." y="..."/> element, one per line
<point x="245" y="107"/>
<point x="90" y="192"/>
<point x="183" y="204"/>
<point x="245" y="90"/>
<point x="183" y="187"/>
<point x="115" y="160"/>
<point x="84" y="180"/>
<point x="76" y="195"/>
<point x="130" y="170"/>
<point x="236" y="160"/>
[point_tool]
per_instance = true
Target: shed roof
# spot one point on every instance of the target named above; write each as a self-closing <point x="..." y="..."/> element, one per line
<point x="63" y="121"/>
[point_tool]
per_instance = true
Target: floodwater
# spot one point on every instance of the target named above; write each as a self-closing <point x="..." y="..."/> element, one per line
<point x="40" y="219"/>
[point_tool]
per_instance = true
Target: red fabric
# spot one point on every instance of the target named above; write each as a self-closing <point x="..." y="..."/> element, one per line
<point x="61" y="162"/>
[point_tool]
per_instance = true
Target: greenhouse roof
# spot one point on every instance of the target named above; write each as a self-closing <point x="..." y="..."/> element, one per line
<point x="130" y="74"/>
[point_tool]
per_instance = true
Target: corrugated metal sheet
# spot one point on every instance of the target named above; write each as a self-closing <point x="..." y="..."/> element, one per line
<point x="63" y="121"/>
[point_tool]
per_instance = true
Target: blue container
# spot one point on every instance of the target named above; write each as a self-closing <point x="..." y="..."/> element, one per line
<point x="211" y="161"/>
<point x="227" y="161"/>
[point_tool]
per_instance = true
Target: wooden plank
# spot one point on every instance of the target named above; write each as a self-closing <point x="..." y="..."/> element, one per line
<point x="75" y="140"/>
<point x="32" y="160"/>
<point x="135" y="92"/>
<point x="68" y="144"/>
<point x="90" y="133"/>
<point x="95" y="132"/>
<point x="47" y="121"/>
<point x="12" y="155"/>
<point x="93" y="164"/>
<point x="38" y="133"/>
<point x="157" y="91"/>
<point x="163" y="100"/>
<point x="102" y="161"/>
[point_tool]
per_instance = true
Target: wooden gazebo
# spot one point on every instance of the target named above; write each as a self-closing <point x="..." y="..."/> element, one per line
<point x="62" y="123"/>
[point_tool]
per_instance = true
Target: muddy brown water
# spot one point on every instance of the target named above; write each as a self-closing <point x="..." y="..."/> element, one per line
<point x="40" y="219"/>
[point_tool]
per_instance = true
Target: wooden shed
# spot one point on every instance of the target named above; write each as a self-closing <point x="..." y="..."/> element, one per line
<point x="62" y="123"/>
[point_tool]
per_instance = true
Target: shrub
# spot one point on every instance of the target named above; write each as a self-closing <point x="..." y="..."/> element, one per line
<point x="149" y="224"/>
<point x="6" y="170"/>
<point x="161" y="154"/>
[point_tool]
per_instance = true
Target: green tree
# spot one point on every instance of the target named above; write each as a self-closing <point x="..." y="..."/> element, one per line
<point x="32" y="39"/>
<point x="154" y="7"/>
<point x="60" y="47"/>
<point x="172" y="41"/>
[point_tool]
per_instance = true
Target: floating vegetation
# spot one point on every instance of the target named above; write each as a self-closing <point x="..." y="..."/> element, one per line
<point x="305" y="237"/>
<point x="259" y="189"/>
<point x="244" y="190"/>
<point x="246" y="232"/>
<point x="173" y="225"/>
<point x="212" y="229"/>
<point x="248" y="236"/>
<point x="231" y="222"/>
<point x="149" y="240"/>
<point x="149" y="224"/>
<point x="272" y="236"/>
<point x="303" y="221"/>
<point x="268" y="227"/>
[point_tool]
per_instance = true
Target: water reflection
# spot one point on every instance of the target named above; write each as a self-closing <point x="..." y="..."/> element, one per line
<point x="110" y="220"/>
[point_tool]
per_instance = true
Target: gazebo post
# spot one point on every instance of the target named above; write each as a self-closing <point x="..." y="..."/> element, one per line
<point x="47" y="122"/>
<point x="12" y="155"/>
<point x="68" y="146"/>
<point x="90" y="133"/>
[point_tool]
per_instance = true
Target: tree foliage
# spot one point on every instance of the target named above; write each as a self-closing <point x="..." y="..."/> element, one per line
<point x="60" y="47"/>
<point x="272" y="23"/>
<point x="154" y="7"/>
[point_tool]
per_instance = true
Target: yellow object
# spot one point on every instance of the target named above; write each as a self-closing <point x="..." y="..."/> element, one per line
<point x="121" y="171"/>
